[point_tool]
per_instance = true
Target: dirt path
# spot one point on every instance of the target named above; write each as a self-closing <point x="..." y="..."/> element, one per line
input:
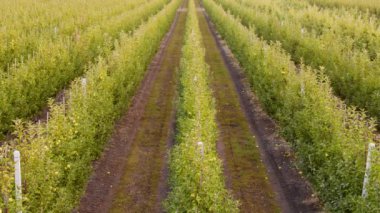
<point x="131" y="175"/>
<point x="248" y="135"/>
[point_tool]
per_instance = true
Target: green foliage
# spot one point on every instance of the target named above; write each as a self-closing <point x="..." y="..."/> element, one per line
<point x="372" y="6"/>
<point x="24" y="29"/>
<point x="329" y="138"/>
<point x="361" y="30"/>
<point x="196" y="180"/>
<point x="354" y="74"/>
<point x="57" y="156"/>
<point x="57" y="62"/>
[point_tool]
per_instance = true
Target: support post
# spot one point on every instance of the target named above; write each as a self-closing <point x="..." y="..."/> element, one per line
<point x="371" y="147"/>
<point x="201" y="147"/>
<point x="17" y="159"/>
<point x="84" y="86"/>
<point x="202" y="152"/>
<point x="47" y="119"/>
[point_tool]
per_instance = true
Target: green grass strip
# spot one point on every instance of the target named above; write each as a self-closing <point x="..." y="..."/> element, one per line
<point x="196" y="178"/>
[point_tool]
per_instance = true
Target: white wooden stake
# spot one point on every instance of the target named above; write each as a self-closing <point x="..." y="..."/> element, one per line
<point x="64" y="104"/>
<point x="47" y="120"/>
<point x="303" y="30"/>
<point x="302" y="89"/>
<point x="202" y="152"/>
<point x="201" y="146"/>
<point x="84" y="86"/>
<point x="371" y="147"/>
<point x="17" y="158"/>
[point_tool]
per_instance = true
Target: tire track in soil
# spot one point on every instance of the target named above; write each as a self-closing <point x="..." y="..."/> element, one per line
<point x="245" y="173"/>
<point x="258" y="164"/>
<point x="131" y="175"/>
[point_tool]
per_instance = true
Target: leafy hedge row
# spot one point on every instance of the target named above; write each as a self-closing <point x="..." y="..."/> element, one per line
<point x="354" y="75"/>
<point x="366" y="6"/>
<point x="24" y="29"/>
<point x="361" y="29"/>
<point x="329" y="138"/>
<point x="196" y="178"/>
<point x="57" y="156"/>
<point x="26" y="89"/>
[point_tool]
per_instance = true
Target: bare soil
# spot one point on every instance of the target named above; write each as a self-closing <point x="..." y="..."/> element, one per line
<point x="247" y="135"/>
<point x="131" y="175"/>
